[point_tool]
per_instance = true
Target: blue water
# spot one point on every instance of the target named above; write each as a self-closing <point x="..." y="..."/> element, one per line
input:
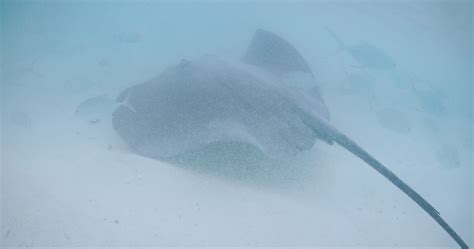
<point x="396" y="77"/>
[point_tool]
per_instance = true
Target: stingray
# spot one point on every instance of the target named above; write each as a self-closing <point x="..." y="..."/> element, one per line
<point x="246" y="108"/>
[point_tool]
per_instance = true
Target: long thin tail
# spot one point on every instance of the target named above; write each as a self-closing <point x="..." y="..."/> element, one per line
<point x="328" y="132"/>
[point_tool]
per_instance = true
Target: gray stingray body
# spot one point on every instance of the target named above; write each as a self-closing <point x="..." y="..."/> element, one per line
<point x="267" y="103"/>
<point x="210" y="100"/>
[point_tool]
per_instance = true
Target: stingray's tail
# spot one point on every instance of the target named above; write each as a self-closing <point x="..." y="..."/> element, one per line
<point x="329" y="133"/>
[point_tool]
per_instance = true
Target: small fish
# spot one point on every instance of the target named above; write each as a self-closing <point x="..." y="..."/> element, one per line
<point x="431" y="100"/>
<point x="366" y="54"/>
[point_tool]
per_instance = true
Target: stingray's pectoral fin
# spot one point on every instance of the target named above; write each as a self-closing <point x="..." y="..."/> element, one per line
<point x="332" y="134"/>
<point x="124" y="95"/>
<point x="274" y="54"/>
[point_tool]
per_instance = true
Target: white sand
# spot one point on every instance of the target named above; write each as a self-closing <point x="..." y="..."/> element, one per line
<point x="68" y="183"/>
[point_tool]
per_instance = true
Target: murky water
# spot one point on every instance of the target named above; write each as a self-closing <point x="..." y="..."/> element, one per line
<point x="395" y="76"/>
